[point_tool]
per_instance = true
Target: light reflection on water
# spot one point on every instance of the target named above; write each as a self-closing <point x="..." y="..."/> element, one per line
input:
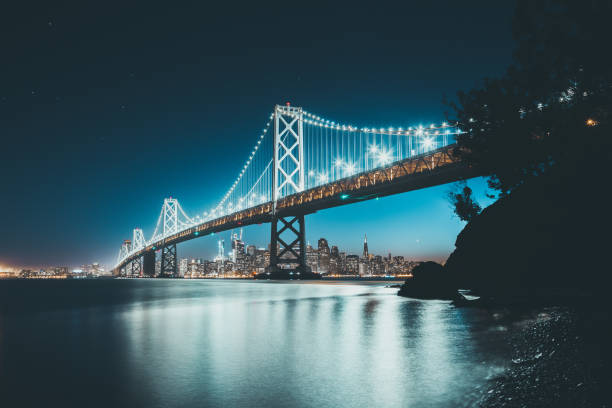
<point x="161" y="343"/>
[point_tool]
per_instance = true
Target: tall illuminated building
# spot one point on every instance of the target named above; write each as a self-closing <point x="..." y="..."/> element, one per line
<point x="323" y="250"/>
<point x="335" y="253"/>
<point x="237" y="247"/>
<point x="312" y="258"/>
<point x="182" y="270"/>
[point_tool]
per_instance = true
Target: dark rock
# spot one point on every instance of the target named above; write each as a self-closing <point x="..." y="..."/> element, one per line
<point x="430" y="280"/>
<point x="544" y="235"/>
<point x="462" y="301"/>
<point x="551" y="366"/>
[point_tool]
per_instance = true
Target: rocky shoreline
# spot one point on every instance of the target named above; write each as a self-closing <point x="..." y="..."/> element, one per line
<point x="560" y="358"/>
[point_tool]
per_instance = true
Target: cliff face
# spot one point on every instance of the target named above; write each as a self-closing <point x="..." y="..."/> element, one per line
<point x="550" y="233"/>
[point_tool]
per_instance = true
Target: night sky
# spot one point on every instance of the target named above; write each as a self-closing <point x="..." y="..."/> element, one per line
<point x="105" y="110"/>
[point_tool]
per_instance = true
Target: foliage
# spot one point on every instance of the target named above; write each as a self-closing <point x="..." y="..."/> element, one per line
<point x="551" y="109"/>
<point x="464" y="205"/>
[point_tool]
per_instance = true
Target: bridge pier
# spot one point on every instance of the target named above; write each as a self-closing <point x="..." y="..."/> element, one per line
<point x="288" y="256"/>
<point x="168" y="262"/>
<point x="148" y="264"/>
<point x="136" y="269"/>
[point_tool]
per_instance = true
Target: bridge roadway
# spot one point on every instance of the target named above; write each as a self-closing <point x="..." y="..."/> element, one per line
<point x="433" y="168"/>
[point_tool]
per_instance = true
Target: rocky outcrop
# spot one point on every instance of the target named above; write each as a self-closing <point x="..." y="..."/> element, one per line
<point x="430" y="280"/>
<point x="549" y="234"/>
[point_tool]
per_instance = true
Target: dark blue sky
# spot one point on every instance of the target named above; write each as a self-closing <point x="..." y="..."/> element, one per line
<point x="105" y="110"/>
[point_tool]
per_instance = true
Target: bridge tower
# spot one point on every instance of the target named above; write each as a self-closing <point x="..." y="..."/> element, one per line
<point x="126" y="247"/>
<point x="170" y="212"/>
<point x="138" y="243"/>
<point x="168" y="261"/>
<point x="288" y="179"/>
<point x="136" y="267"/>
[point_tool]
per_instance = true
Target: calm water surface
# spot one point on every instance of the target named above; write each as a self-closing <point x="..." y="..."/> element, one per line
<point x="170" y="343"/>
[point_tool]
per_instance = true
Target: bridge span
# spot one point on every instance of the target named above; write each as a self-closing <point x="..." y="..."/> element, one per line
<point x="302" y="178"/>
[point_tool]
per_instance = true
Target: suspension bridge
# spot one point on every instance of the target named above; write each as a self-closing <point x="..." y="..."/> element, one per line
<point x="302" y="163"/>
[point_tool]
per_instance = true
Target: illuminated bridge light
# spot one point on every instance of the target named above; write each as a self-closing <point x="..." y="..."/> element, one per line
<point x="383" y="157"/>
<point x="350" y="168"/>
<point x="428" y="143"/>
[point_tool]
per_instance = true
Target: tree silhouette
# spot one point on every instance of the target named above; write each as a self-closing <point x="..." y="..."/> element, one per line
<point x="542" y="134"/>
<point x="464" y="205"/>
<point x="551" y="109"/>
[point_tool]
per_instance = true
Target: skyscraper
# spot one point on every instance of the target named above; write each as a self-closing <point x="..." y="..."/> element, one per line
<point x="182" y="269"/>
<point x="323" y="250"/>
<point x="312" y="258"/>
<point x="365" y="246"/>
<point x="334" y="252"/>
<point x="237" y="247"/>
<point x="352" y="265"/>
<point x="323" y="245"/>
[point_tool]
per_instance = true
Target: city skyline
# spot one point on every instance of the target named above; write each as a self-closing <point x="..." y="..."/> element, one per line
<point x="237" y="258"/>
<point x="237" y="247"/>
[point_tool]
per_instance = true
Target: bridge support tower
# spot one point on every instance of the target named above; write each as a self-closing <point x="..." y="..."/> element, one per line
<point x="136" y="269"/>
<point x="168" y="262"/>
<point x="288" y="249"/>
